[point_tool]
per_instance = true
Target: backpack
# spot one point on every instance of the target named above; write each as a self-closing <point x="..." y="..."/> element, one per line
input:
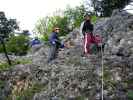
<point x="91" y="43"/>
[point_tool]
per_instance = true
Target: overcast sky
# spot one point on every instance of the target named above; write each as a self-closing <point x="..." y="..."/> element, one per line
<point x="28" y="11"/>
<point x="130" y="7"/>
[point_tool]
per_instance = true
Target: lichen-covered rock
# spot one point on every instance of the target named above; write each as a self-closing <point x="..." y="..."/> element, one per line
<point x="73" y="77"/>
<point x="117" y="35"/>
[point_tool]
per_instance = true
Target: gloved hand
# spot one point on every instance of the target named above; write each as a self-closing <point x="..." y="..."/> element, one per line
<point x="53" y="42"/>
<point x="62" y="45"/>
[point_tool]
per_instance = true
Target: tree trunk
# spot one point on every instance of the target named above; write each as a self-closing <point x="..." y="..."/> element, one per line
<point x="4" y="48"/>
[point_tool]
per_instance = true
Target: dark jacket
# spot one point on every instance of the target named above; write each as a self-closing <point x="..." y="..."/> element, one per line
<point x="87" y="27"/>
<point x="54" y="40"/>
<point x="35" y="42"/>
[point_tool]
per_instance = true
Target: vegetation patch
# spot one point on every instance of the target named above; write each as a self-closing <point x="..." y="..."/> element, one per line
<point x="26" y="93"/>
<point x="2" y="84"/>
<point x="6" y="66"/>
<point x="130" y="95"/>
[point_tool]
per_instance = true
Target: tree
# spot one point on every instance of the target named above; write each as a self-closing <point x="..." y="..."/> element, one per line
<point x="75" y="15"/>
<point x="105" y="7"/>
<point x="18" y="45"/>
<point x="67" y="21"/>
<point x="61" y="22"/>
<point x="6" y="27"/>
<point x="109" y="5"/>
<point x="45" y="25"/>
<point x="95" y="5"/>
<point x="41" y="27"/>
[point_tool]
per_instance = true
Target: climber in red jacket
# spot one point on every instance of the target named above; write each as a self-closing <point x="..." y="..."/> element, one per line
<point x="86" y="31"/>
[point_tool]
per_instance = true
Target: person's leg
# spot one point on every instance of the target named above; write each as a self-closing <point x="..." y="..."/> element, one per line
<point x="87" y="43"/>
<point x="56" y="51"/>
<point x="52" y="53"/>
<point x="82" y="47"/>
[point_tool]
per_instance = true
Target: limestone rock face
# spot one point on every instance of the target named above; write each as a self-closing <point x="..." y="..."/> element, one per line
<point x="117" y="33"/>
<point x="73" y="77"/>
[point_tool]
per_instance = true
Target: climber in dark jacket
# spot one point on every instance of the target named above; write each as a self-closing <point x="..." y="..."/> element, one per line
<point x="55" y="44"/>
<point x="86" y="26"/>
<point x="86" y="30"/>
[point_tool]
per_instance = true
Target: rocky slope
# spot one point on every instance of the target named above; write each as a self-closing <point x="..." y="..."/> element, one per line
<point x="73" y="77"/>
<point x="117" y="32"/>
<point x="70" y="76"/>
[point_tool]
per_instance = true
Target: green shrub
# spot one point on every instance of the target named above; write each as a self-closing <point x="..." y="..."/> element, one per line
<point x="17" y="45"/>
<point x="28" y="93"/>
<point x="45" y="38"/>
<point x="1" y="49"/>
<point x="130" y="95"/>
<point x="94" y="19"/>
<point x="6" y="66"/>
<point x="80" y="98"/>
<point x="2" y="84"/>
<point x="22" y="61"/>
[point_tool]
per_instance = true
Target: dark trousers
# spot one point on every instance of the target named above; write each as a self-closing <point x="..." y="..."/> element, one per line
<point x="52" y="53"/>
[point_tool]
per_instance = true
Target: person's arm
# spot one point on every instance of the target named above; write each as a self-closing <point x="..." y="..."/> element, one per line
<point x="81" y="27"/>
<point x="54" y="38"/>
<point x="51" y="39"/>
<point x="92" y="27"/>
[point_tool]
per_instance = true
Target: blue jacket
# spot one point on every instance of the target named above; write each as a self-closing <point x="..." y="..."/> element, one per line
<point x="54" y="40"/>
<point x="35" y="42"/>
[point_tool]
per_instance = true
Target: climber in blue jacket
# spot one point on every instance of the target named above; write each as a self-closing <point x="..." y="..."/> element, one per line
<point x="55" y="44"/>
<point x="36" y="41"/>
